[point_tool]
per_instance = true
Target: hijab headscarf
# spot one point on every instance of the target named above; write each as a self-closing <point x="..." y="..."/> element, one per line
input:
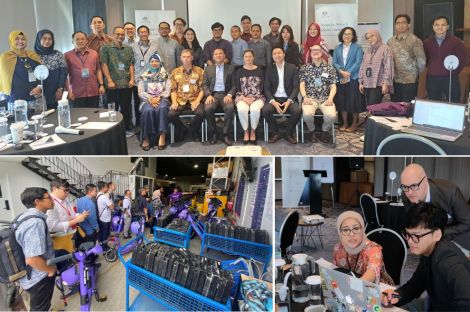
<point x="377" y="35"/>
<point x="158" y="74"/>
<point x="8" y="61"/>
<point x="39" y="48"/>
<point x="356" y="216"/>
<point x="311" y="41"/>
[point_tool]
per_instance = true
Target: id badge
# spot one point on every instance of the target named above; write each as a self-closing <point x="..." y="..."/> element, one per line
<point x="85" y="73"/>
<point x="192" y="81"/>
<point x="121" y="66"/>
<point x="186" y="88"/>
<point x="369" y="72"/>
<point x="142" y="63"/>
<point x="318" y="81"/>
<point x="325" y="75"/>
<point x="31" y="77"/>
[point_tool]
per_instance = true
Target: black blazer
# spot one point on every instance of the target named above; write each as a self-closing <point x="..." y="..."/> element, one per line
<point x="445" y="275"/>
<point x="208" y="81"/>
<point x="446" y="195"/>
<point x="291" y="81"/>
<point x="293" y="54"/>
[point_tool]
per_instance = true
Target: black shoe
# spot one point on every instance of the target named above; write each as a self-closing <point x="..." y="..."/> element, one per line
<point x="161" y="147"/>
<point x="227" y="141"/>
<point x="274" y="138"/>
<point x="245" y="142"/>
<point x="196" y="138"/>
<point x="313" y="137"/>
<point x="254" y="142"/>
<point x="213" y="140"/>
<point x="326" y="137"/>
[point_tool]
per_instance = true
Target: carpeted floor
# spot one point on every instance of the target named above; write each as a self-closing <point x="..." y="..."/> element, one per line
<point x="330" y="235"/>
<point x="346" y="144"/>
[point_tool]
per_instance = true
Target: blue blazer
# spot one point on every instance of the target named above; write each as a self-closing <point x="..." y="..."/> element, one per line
<point x="353" y="63"/>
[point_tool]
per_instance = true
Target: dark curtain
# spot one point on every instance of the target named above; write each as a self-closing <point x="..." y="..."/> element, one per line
<point x="84" y="10"/>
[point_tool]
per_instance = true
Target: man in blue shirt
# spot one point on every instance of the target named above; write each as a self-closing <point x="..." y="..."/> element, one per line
<point x="90" y="225"/>
<point x="238" y="46"/>
<point x="33" y="237"/>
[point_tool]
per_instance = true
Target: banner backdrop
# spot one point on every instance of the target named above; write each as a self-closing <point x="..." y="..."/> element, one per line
<point x="334" y="17"/>
<point x="151" y="19"/>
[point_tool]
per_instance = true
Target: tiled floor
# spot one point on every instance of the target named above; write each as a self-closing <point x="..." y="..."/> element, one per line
<point x="330" y="235"/>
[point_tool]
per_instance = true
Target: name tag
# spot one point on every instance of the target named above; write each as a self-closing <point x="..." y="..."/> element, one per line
<point x="192" y="81"/>
<point x="121" y="66"/>
<point x="318" y="81"/>
<point x="31" y="77"/>
<point x="325" y="75"/>
<point x="85" y="73"/>
<point x="186" y="88"/>
<point x="142" y="63"/>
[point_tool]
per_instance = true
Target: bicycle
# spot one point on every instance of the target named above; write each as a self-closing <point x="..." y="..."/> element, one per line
<point x="84" y="271"/>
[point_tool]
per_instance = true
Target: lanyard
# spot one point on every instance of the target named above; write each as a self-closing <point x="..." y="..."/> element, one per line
<point x="144" y="53"/>
<point x="25" y="62"/>
<point x="64" y="207"/>
<point x="355" y="265"/>
<point x="372" y="56"/>
<point x="80" y="58"/>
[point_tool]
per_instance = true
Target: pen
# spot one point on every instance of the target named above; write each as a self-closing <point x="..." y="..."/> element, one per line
<point x="390" y="119"/>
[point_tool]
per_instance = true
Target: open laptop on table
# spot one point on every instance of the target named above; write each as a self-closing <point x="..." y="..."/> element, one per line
<point x="438" y="120"/>
<point x="343" y="292"/>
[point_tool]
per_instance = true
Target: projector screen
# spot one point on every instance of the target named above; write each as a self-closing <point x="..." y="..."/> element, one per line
<point x="203" y="13"/>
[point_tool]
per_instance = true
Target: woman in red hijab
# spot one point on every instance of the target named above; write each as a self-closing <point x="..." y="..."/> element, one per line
<point x="314" y="38"/>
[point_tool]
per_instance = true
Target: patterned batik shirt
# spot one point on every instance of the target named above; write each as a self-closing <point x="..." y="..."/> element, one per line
<point x="119" y="61"/>
<point x="318" y="80"/>
<point x="186" y="84"/>
<point x="408" y="56"/>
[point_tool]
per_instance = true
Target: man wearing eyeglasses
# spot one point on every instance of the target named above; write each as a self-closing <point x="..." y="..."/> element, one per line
<point x="443" y="270"/>
<point x="417" y="187"/>
<point x="62" y="219"/>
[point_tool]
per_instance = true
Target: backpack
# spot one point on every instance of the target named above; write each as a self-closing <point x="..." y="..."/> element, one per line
<point x="12" y="260"/>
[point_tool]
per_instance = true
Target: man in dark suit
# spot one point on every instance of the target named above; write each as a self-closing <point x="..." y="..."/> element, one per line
<point x="219" y="90"/>
<point x="417" y="187"/>
<point x="281" y="88"/>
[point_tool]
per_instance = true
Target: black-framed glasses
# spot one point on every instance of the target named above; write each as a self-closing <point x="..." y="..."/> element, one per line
<point x="348" y="231"/>
<point x="413" y="187"/>
<point x="415" y="237"/>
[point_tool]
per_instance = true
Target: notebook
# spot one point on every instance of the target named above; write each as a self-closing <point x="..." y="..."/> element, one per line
<point x="444" y="121"/>
<point x="343" y="292"/>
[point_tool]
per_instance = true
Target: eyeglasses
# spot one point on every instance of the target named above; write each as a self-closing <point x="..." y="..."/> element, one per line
<point x="415" y="237"/>
<point x="413" y="187"/>
<point x="348" y="231"/>
<point x="66" y="190"/>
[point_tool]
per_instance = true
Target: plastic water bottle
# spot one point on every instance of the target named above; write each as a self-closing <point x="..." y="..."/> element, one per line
<point x="38" y="105"/>
<point x="20" y="108"/>
<point x="63" y="110"/>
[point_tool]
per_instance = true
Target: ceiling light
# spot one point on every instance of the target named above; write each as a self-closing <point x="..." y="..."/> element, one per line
<point x="196" y="166"/>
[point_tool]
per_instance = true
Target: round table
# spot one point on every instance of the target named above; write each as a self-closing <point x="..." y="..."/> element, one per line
<point x="111" y="141"/>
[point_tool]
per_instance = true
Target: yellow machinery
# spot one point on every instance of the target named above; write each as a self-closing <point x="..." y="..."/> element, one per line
<point x="222" y="198"/>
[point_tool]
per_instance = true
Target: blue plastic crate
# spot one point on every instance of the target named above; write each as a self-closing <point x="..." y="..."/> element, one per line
<point x="172" y="237"/>
<point x="172" y="295"/>
<point x="247" y="249"/>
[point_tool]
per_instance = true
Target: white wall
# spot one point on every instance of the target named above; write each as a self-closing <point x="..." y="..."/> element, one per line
<point x="33" y="15"/>
<point x="101" y="165"/>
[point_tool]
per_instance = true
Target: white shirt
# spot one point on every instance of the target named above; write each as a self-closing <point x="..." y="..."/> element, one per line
<point x="280" y="92"/>
<point x="345" y="53"/>
<point x="104" y="212"/>
<point x="126" y="204"/>
<point x="58" y="218"/>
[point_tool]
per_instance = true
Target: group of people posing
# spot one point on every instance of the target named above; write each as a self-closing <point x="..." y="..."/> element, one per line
<point x="269" y="76"/>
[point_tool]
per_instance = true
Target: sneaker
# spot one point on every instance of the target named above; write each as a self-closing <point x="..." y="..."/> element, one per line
<point x="129" y="133"/>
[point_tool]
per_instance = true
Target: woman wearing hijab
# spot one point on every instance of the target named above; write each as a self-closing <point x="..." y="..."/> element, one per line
<point x="314" y="38"/>
<point x="154" y="89"/>
<point x="356" y="253"/>
<point x="55" y="62"/>
<point x="347" y="59"/>
<point x="17" y="70"/>
<point x="377" y="71"/>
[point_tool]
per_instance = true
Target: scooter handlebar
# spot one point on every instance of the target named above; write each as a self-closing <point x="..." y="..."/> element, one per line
<point x="59" y="259"/>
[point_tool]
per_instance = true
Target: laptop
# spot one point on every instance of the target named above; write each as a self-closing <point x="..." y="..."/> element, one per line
<point x="343" y="292"/>
<point x="438" y="120"/>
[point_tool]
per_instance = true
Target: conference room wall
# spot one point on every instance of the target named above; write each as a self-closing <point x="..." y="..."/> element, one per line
<point x="179" y="6"/>
<point x="455" y="169"/>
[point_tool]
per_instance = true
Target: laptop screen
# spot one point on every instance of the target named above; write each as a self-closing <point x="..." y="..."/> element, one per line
<point x="438" y="114"/>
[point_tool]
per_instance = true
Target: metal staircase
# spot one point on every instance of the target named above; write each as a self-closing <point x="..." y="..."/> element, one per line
<point x="120" y="179"/>
<point x="68" y="169"/>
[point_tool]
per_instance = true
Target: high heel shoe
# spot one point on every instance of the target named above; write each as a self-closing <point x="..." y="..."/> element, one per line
<point x="254" y="142"/>
<point x="245" y="142"/>
<point x="161" y="147"/>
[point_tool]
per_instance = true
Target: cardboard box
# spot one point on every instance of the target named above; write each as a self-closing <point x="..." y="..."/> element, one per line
<point x="360" y="176"/>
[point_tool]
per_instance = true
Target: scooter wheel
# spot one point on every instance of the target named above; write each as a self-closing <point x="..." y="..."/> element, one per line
<point x="111" y="255"/>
